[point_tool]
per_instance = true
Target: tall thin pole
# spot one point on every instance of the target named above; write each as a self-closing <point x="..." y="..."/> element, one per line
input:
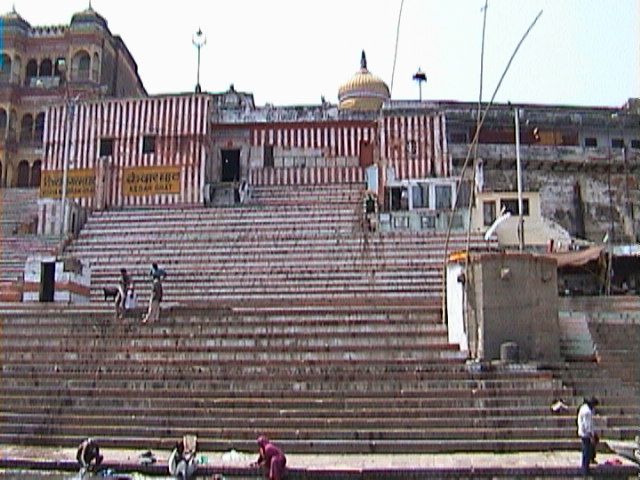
<point x="68" y="160"/>
<point x="65" y="167"/>
<point x="395" y="50"/>
<point x="516" y="113"/>
<point x="199" y="39"/>
<point x="198" y="88"/>
<point x="466" y="163"/>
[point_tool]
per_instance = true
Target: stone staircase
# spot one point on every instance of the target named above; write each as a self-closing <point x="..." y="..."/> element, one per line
<point x="281" y="317"/>
<point x="614" y="326"/>
<point x="290" y="244"/>
<point x="18" y="218"/>
<point x="333" y="378"/>
<point x="18" y="207"/>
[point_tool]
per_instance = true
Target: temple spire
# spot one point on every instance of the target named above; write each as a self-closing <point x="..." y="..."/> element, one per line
<point x="363" y="61"/>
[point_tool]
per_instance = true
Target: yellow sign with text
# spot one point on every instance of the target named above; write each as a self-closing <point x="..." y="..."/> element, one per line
<point x="81" y="183"/>
<point x="151" y="180"/>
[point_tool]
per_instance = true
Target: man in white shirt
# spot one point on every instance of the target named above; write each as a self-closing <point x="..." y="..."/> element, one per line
<point x="586" y="432"/>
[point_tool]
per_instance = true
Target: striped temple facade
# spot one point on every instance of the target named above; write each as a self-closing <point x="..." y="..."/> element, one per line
<point x="116" y="143"/>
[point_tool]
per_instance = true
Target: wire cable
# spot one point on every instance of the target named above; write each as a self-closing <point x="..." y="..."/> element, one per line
<point x="395" y="53"/>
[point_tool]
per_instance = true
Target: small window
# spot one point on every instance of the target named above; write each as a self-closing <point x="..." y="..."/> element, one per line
<point x="463" y="195"/>
<point x="617" y="143"/>
<point x="418" y="198"/>
<point x="268" y="155"/>
<point x="489" y="213"/>
<point x="106" y="147"/>
<point x="399" y="199"/>
<point x="428" y="222"/>
<point x="458" y="137"/>
<point x="635" y="143"/>
<point x="443" y="197"/>
<point x="412" y="148"/>
<point x="149" y="144"/>
<point x="511" y="205"/>
<point x="590" y="142"/>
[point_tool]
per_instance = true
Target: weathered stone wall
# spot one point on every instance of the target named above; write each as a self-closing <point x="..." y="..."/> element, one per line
<point x="513" y="298"/>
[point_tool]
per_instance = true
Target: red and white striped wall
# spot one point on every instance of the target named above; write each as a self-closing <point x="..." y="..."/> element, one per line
<point x="179" y="123"/>
<point x="306" y="175"/>
<point x="415" y="145"/>
<point x="339" y="141"/>
<point x="335" y="138"/>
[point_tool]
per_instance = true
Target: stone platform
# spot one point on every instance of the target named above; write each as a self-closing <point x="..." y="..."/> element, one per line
<point x="235" y="465"/>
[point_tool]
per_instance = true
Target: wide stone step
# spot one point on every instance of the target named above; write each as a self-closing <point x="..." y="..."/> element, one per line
<point x="222" y="341"/>
<point x="292" y="370"/>
<point x="316" y="446"/>
<point x="114" y="418"/>
<point x="219" y="382"/>
<point x="233" y="354"/>
<point x="174" y="430"/>
<point x="356" y="403"/>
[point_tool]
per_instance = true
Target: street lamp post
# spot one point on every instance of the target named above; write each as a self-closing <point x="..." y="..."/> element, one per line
<point x="420" y="77"/>
<point x="199" y="40"/>
<point x="70" y="110"/>
<point x="70" y="104"/>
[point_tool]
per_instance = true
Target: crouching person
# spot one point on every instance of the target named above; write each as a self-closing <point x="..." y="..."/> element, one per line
<point x="271" y="458"/>
<point x="88" y="456"/>
<point x="182" y="461"/>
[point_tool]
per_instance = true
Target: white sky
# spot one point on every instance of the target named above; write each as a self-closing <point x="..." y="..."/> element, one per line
<point x="581" y="52"/>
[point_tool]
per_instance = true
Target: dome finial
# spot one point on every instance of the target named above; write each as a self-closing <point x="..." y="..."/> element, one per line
<point x="363" y="61"/>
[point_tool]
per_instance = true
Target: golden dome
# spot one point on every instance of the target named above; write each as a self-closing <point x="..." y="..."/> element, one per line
<point x="364" y="91"/>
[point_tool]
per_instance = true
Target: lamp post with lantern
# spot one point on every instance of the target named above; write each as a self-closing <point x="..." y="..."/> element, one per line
<point x="199" y="40"/>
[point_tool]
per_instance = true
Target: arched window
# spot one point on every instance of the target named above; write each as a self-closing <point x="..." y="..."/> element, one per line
<point x="39" y="127"/>
<point x="80" y="65"/>
<point x="3" y="121"/>
<point x="35" y="173"/>
<point x="17" y="69"/>
<point x="23" y="174"/>
<point x="46" y="68"/>
<point x="26" y="128"/>
<point x="31" y="71"/>
<point x="5" y="68"/>
<point x="13" y="124"/>
<point x="56" y="68"/>
<point x="95" y="68"/>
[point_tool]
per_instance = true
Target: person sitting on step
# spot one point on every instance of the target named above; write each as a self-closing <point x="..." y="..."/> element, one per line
<point x="182" y="461"/>
<point x="271" y="458"/>
<point x="88" y="455"/>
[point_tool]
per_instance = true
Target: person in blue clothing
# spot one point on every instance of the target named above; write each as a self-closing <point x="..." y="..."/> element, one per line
<point x="157" y="272"/>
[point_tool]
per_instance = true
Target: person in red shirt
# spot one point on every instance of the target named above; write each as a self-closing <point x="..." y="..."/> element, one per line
<point x="271" y="458"/>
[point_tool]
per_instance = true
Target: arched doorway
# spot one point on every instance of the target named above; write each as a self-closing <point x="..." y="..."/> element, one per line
<point x="80" y="66"/>
<point x="39" y="128"/>
<point x="23" y="174"/>
<point x="46" y="68"/>
<point x="5" y="69"/>
<point x="26" y="128"/>
<point x="31" y="71"/>
<point x="35" y="173"/>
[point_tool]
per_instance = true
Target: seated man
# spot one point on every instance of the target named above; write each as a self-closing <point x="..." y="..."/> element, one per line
<point x="182" y="461"/>
<point x="88" y="455"/>
<point x="271" y="458"/>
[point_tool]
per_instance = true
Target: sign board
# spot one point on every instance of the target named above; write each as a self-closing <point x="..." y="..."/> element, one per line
<point x="81" y="183"/>
<point x="151" y="180"/>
